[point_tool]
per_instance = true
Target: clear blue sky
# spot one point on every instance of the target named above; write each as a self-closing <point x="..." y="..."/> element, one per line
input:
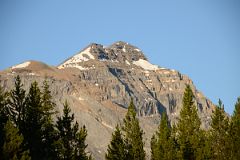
<point x="198" y="38"/>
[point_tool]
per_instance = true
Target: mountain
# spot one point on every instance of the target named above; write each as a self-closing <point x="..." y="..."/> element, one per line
<point x="99" y="82"/>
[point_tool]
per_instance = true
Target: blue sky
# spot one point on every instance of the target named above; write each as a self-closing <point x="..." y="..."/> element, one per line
<point x="198" y="38"/>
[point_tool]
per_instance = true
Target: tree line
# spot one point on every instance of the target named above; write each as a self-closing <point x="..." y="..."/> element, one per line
<point x="28" y="131"/>
<point x="183" y="141"/>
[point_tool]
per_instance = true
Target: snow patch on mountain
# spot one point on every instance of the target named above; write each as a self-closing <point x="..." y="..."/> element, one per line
<point x="145" y="64"/>
<point x="85" y="52"/>
<point x="22" y="65"/>
<point x="74" y="65"/>
<point x="81" y="57"/>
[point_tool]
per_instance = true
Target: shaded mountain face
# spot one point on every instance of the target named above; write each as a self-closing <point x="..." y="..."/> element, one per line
<point x="99" y="82"/>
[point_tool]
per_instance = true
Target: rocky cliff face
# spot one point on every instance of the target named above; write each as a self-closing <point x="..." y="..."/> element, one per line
<point x="99" y="82"/>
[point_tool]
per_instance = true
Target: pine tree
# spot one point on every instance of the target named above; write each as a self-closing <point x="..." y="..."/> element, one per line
<point x="220" y="133"/>
<point x="205" y="149"/>
<point x="80" y="145"/>
<point x="3" y="116"/>
<point x="116" y="149"/>
<point x="235" y="132"/>
<point x="13" y="144"/>
<point x="33" y="122"/>
<point x="71" y="141"/>
<point x="133" y="135"/>
<point x="162" y="143"/>
<point x="47" y="103"/>
<point x="188" y="128"/>
<point x="48" y="130"/>
<point x="17" y="103"/>
<point x="32" y="114"/>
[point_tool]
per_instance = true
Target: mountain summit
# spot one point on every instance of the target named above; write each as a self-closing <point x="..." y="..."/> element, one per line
<point x="99" y="82"/>
<point x="120" y="52"/>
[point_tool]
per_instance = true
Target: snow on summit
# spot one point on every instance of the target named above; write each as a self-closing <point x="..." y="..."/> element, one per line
<point x="81" y="57"/>
<point x="22" y="65"/>
<point x="145" y="64"/>
<point x="129" y="53"/>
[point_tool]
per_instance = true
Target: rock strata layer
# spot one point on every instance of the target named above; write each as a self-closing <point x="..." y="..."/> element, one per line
<point x="99" y="82"/>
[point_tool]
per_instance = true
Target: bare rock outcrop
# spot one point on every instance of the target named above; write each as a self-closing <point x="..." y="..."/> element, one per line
<point x="99" y="82"/>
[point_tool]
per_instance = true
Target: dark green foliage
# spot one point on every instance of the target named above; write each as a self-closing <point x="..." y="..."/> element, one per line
<point x="47" y="129"/>
<point x="235" y="132"/>
<point x="188" y="128"/>
<point x="71" y="142"/>
<point x="133" y="135"/>
<point x="219" y="143"/>
<point x="236" y="113"/>
<point x="116" y="149"/>
<point x="32" y="132"/>
<point x="220" y="134"/>
<point x="205" y="146"/>
<point x="32" y="115"/>
<point x="162" y="143"/>
<point x="33" y="122"/>
<point x="128" y="145"/>
<point x="203" y="149"/>
<point x="3" y="116"/>
<point x="17" y="103"/>
<point x="65" y="133"/>
<point x="27" y="131"/>
<point x="13" y="144"/>
<point x="80" y="145"/>
<point x="47" y="103"/>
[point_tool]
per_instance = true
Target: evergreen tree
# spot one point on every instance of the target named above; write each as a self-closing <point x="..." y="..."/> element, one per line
<point x="48" y="130"/>
<point x="116" y="149"/>
<point x="47" y="103"/>
<point x="133" y="135"/>
<point x="33" y="122"/>
<point x="71" y="142"/>
<point x="235" y="132"/>
<point x="220" y="133"/>
<point x="162" y="143"/>
<point x="80" y="145"/>
<point x="17" y="103"/>
<point x="188" y="128"/>
<point x="13" y="144"/>
<point x="205" y="149"/>
<point x="33" y="115"/>
<point x="3" y="116"/>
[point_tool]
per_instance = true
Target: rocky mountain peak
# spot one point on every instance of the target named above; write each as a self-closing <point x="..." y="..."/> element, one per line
<point x="121" y="52"/>
<point x="124" y="46"/>
<point x="99" y="82"/>
<point x="127" y="51"/>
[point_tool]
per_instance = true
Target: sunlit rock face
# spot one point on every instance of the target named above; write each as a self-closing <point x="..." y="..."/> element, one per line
<point x="99" y="82"/>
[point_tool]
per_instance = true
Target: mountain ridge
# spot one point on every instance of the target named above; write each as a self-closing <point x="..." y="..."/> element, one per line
<point x="99" y="82"/>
